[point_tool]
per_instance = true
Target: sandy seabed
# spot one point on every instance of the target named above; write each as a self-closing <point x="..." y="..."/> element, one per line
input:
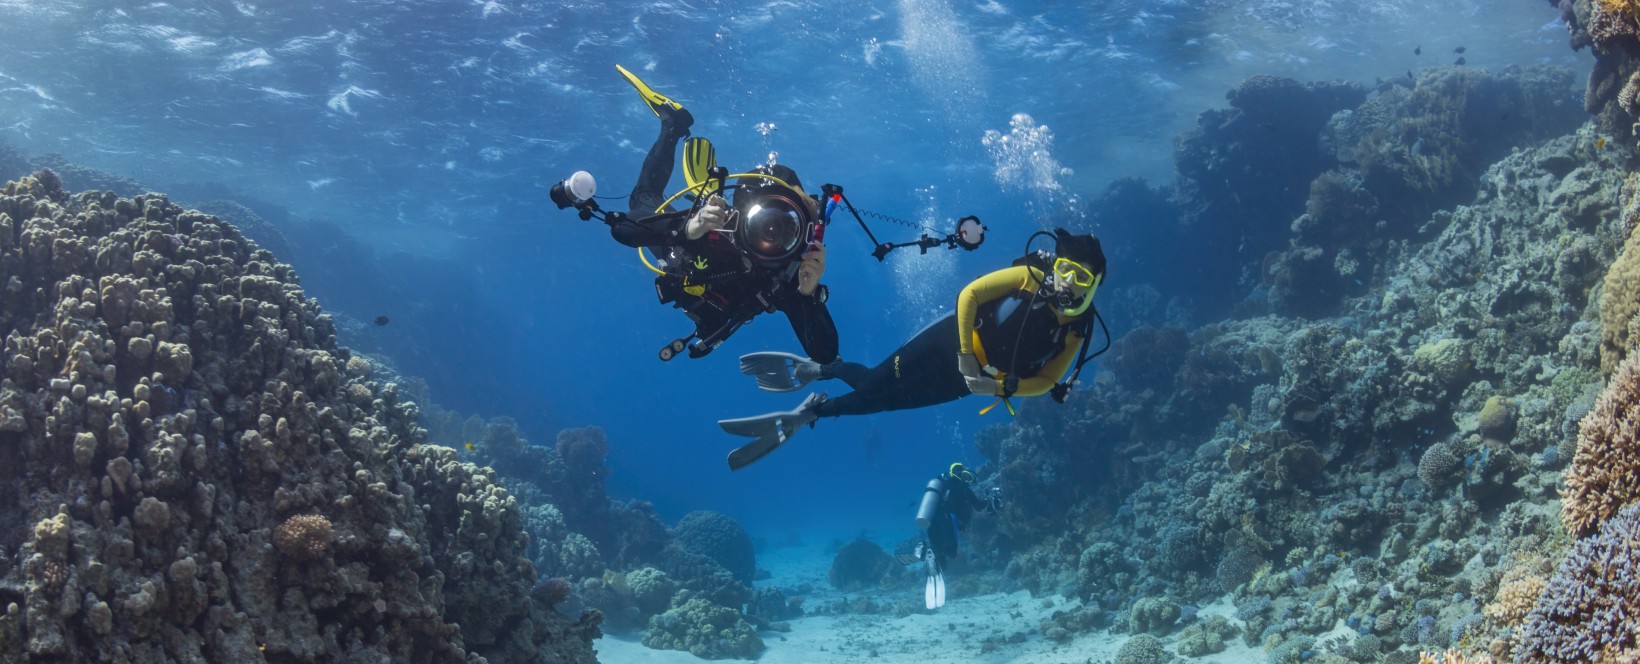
<point x="953" y="634"/>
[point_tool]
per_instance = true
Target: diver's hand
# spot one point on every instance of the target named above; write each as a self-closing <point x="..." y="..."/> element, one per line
<point x="979" y="382"/>
<point x="813" y="267"/>
<point x="984" y="386"/>
<point x="709" y="218"/>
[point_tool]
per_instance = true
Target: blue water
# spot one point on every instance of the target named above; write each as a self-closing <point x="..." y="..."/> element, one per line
<point x="428" y="132"/>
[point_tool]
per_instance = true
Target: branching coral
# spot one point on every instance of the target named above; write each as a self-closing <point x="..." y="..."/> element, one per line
<point x="1605" y="473"/>
<point x="1587" y="611"/>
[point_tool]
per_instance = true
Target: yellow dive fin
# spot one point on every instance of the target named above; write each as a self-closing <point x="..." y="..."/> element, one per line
<point x="655" y="100"/>
<point x="699" y="158"/>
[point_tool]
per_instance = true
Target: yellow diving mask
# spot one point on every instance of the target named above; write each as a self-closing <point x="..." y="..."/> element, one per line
<point x="1073" y="272"/>
<point x="961" y="472"/>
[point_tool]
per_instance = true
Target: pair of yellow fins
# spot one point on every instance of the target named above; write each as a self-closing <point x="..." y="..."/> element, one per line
<point x="699" y="158"/>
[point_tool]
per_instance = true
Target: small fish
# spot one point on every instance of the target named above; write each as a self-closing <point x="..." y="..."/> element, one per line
<point x="381" y="320"/>
<point x="1459" y="50"/>
<point x="470" y="447"/>
<point x="1418" y="50"/>
<point x="1600" y="142"/>
<point x="1410" y="76"/>
<point x="1460" y="61"/>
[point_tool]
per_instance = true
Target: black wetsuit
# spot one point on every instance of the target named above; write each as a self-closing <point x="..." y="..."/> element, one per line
<point x="1024" y="335"/>
<point x="644" y="227"/>
<point x="922" y="372"/>
<point x="957" y="507"/>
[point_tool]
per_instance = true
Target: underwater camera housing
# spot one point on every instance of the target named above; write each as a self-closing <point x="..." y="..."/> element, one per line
<point x="776" y="225"/>
<point x="576" y="191"/>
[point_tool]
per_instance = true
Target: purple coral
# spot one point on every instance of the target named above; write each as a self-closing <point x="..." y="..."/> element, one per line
<point x="1588" y="610"/>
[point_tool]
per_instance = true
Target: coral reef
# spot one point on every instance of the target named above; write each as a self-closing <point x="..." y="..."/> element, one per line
<point x="720" y="538"/>
<point x="1586" y="611"/>
<point x="1602" y="478"/>
<point x="1619" y="302"/>
<point x="179" y="412"/>
<point x="704" y="630"/>
<point x="622" y="560"/>
<point x="1611" y="28"/>
<point x="302" y="537"/>
<point x="859" y="565"/>
<point x="1381" y="463"/>
<point x="1417" y="146"/>
<point x="1242" y="182"/>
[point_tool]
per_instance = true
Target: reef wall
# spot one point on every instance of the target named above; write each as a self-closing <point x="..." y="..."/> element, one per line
<point x="191" y="468"/>
<point x="1368" y="458"/>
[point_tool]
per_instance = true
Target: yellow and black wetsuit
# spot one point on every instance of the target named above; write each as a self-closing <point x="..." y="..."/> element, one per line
<point x="998" y="318"/>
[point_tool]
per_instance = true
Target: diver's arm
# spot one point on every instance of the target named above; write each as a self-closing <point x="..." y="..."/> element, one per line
<point x="1000" y="283"/>
<point x="1052" y="371"/>
<point x="811" y="322"/>
<point x="660" y="230"/>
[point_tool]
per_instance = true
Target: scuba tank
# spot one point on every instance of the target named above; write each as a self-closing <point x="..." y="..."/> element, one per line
<point x="930" y="507"/>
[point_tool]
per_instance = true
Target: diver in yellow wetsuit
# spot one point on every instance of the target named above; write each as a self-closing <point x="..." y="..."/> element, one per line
<point x="1016" y="331"/>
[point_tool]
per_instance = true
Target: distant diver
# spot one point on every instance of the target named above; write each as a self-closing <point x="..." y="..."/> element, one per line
<point x="381" y="320"/>
<point x="726" y="262"/>
<point x="1418" y="50"/>
<point x="1015" y="332"/>
<point x="1461" y="62"/>
<point x="947" y="505"/>
<point x="1459" y="50"/>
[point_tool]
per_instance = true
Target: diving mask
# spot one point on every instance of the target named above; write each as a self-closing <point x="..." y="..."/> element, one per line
<point x="1073" y="273"/>
<point x="1074" y="284"/>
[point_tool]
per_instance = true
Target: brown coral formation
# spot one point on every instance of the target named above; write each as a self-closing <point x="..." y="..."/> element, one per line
<point x="1619" y="302"/>
<point x="1605" y="473"/>
<point x="304" y="537"/>
<point x="169" y="397"/>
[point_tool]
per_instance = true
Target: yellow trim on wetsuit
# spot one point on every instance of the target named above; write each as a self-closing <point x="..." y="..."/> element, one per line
<point x="993" y="286"/>
<point x="1004" y="283"/>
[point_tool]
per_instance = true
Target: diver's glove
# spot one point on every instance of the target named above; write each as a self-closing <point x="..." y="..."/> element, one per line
<point x="812" y="268"/>
<point x="709" y="218"/>
<point x="979" y="382"/>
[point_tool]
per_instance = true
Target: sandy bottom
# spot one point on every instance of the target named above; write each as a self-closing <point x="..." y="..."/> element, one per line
<point x="953" y="634"/>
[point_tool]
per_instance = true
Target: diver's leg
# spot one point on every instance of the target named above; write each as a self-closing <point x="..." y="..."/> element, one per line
<point x="650" y="190"/>
<point x="923" y="372"/>
<point x="852" y="373"/>
<point x="942" y="537"/>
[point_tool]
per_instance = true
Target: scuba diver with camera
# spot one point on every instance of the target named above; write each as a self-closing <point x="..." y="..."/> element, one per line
<point x="948" y="504"/>
<point x="721" y="262"/>
<point x="1015" y="332"/>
